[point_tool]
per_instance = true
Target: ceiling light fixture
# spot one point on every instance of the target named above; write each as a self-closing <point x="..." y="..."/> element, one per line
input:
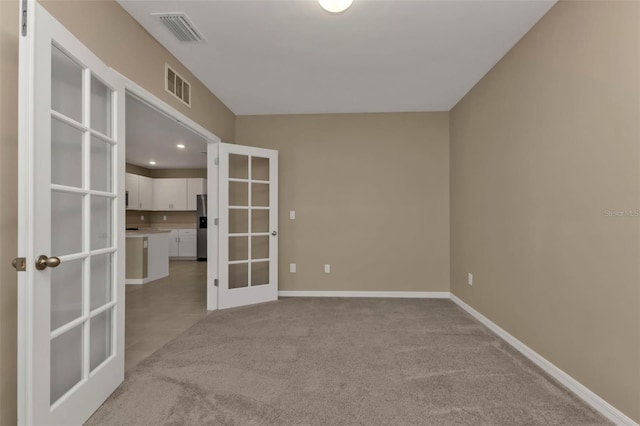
<point x="181" y="146"/>
<point x="153" y="163"/>
<point x="335" y="6"/>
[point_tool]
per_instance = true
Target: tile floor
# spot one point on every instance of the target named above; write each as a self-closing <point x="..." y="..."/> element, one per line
<point x="159" y="311"/>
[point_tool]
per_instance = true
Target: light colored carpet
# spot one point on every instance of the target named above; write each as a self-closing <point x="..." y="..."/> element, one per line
<point x="341" y="362"/>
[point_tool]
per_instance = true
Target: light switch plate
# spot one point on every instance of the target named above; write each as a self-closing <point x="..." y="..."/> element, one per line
<point x="327" y="268"/>
<point x="470" y="279"/>
<point x="292" y="268"/>
<point x="292" y="214"/>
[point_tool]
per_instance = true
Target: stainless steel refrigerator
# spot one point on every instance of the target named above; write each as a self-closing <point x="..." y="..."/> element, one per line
<point x="202" y="226"/>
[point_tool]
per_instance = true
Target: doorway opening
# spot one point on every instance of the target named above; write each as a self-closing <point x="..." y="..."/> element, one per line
<point x="166" y="229"/>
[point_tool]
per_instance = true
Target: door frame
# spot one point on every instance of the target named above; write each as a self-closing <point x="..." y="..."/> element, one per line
<point x="134" y="89"/>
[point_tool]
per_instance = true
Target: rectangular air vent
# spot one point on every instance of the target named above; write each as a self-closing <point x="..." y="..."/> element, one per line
<point x="180" y="26"/>
<point x="177" y="86"/>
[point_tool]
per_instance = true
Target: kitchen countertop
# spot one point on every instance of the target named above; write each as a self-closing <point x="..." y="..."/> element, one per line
<point x="146" y="231"/>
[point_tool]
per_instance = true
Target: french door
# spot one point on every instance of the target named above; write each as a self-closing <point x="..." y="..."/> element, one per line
<point x="248" y="233"/>
<point x="71" y="290"/>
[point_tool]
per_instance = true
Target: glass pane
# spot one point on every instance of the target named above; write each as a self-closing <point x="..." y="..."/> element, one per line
<point x="259" y="168"/>
<point x="100" y="338"/>
<point x="259" y="273"/>
<point x="186" y="93"/>
<point x="66" y="154"/>
<point x="238" y="221"/>
<point x="100" y="107"/>
<point x="100" y="280"/>
<point x="260" y="194"/>
<point x="238" y="248"/>
<point x="100" y="165"/>
<point x="259" y="221"/>
<point x="238" y="275"/>
<point x="260" y="247"/>
<point x="66" y="293"/>
<point x="66" y="362"/>
<point x="238" y="194"/>
<point x="100" y="222"/>
<point x="66" y="85"/>
<point x="238" y="166"/>
<point x="66" y="223"/>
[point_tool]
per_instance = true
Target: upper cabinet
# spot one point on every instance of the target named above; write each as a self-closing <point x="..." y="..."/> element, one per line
<point x="145" y="184"/>
<point x="195" y="187"/>
<point x="145" y="193"/>
<point x="170" y="194"/>
<point x="133" y="191"/>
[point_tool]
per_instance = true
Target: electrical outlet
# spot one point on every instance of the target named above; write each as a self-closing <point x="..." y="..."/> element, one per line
<point x="292" y="214"/>
<point x="470" y="279"/>
<point x="164" y="218"/>
<point x="141" y="217"/>
<point x="327" y="268"/>
<point x="292" y="268"/>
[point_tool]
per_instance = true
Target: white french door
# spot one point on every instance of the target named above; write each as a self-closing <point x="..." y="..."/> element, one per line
<point x="248" y="234"/>
<point x="71" y="292"/>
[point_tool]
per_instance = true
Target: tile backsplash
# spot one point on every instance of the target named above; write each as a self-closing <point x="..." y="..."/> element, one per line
<point x="157" y="219"/>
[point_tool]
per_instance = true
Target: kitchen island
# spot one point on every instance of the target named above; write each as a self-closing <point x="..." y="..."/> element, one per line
<point x="147" y="255"/>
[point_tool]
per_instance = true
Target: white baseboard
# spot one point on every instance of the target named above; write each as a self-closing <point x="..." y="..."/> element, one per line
<point x="602" y="406"/>
<point x="392" y="294"/>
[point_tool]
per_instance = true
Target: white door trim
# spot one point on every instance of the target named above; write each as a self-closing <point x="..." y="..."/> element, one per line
<point x="213" y="142"/>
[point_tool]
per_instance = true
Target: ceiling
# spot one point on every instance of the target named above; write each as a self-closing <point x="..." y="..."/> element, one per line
<point x="151" y="135"/>
<point x="292" y="57"/>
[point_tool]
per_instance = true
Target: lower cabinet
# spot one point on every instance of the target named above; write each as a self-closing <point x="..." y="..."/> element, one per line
<point x="182" y="243"/>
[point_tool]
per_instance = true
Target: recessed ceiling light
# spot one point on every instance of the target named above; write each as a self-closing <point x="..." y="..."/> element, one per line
<point x="153" y="163"/>
<point x="181" y="146"/>
<point x="335" y="6"/>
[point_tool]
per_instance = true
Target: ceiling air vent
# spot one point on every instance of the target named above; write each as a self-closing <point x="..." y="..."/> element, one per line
<point x="180" y="26"/>
<point x="177" y="86"/>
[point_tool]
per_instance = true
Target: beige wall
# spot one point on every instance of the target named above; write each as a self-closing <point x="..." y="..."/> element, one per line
<point x="112" y="34"/>
<point x="541" y="148"/>
<point x="124" y="45"/>
<point x="137" y="170"/>
<point x="371" y="194"/>
<point x="8" y="207"/>
<point x="166" y="173"/>
<point x="178" y="173"/>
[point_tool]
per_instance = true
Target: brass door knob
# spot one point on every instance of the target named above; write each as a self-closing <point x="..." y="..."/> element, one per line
<point x="44" y="262"/>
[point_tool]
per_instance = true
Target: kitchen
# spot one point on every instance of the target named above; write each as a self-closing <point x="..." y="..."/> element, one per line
<point x="166" y="221"/>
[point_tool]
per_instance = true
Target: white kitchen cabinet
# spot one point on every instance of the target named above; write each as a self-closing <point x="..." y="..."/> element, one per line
<point x="145" y="192"/>
<point x="182" y="243"/>
<point x="133" y="191"/>
<point x="187" y="243"/>
<point x="140" y="192"/>
<point x="195" y="186"/>
<point x="170" y="194"/>
<point x="173" y="243"/>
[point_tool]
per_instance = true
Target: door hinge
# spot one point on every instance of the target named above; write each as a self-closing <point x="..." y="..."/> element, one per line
<point x="24" y="18"/>
<point x="215" y="282"/>
<point x="20" y="264"/>
<point x="216" y="221"/>
<point x="216" y="161"/>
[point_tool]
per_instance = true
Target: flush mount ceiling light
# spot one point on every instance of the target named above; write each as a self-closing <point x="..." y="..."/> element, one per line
<point x="335" y="6"/>
<point x="153" y="163"/>
<point x="181" y="146"/>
